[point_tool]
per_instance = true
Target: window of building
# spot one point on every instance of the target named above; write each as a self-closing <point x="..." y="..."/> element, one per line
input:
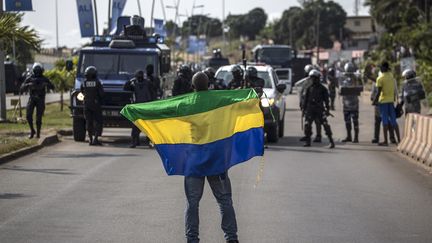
<point x="357" y="23"/>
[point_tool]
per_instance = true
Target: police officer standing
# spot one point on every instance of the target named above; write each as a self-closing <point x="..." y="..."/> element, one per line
<point x="37" y="85"/>
<point x="302" y="86"/>
<point x="93" y="94"/>
<point x="155" y="81"/>
<point x="333" y="84"/>
<point x="143" y="91"/>
<point x="183" y="83"/>
<point x="412" y="92"/>
<point x="237" y="82"/>
<point x="350" y="103"/>
<point x="316" y="107"/>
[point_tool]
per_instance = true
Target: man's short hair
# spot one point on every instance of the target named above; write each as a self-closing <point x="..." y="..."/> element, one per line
<point x="385" y="66"/>
<point x="200" y="81"/>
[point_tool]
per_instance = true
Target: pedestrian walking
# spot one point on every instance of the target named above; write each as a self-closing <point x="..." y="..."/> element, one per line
<point x="220" y="186"/>
<point x="92" y="90"/>
<point x="37" y="85"/>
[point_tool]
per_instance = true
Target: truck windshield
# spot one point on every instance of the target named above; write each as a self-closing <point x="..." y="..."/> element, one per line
<point x="275" y="53"/>
<point x="116" y="64"/>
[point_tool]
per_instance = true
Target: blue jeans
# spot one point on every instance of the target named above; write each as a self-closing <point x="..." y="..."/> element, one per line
<point x="221" y="187"/>
<point x="388" y="114"/>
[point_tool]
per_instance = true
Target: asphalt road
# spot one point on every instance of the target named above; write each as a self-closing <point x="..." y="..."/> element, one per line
<point x="71" y="192"/>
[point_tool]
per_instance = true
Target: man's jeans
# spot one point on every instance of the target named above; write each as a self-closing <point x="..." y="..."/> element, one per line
<point x="221" y="187"/>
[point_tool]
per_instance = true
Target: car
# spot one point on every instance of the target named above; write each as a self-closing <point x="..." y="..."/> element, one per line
<point x="272" y="100"/>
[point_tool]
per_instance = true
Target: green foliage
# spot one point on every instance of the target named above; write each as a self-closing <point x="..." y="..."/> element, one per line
<point x="249" y="24"/>
<point x="202" y="25"/>
<point x="299" y="24"/>
<point x="10" y="30"/>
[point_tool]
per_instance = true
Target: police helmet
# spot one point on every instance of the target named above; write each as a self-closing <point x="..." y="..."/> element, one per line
<point x="237" y="71"/>
<point x="252" y="72"/>
<point x="210" y="72"/>
<point x="139" y="74"/>
<point x="37" y="69"/>
<point x="137" y="20"/>
<point x="409" y="74"/>
<point x="331" y="72"/>
<point x="90" y="72"/>
<point x="308" y="68"/>
<point x="185" y="70"/>
<point x="150" y="69"/>
<point x="315" y="73"/>
<point x="349" y="67"/>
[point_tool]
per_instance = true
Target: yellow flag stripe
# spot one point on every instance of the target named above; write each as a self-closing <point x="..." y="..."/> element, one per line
<point x="204" y="127"/>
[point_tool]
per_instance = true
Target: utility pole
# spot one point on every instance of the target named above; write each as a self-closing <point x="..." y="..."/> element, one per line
<point x="356" y="7"/>
<point x="290" y="31"/>
<point x="139" y="8"/>
<point x="163" y="10"/>
<point x="96" y="17"/>
<point x="151" y="18"/>
<point x="223" y="23"/>
<point x="57" y="32"/>
<point x="109" y="17"/>
<point x="317" y="35"/>
<point x="2" y="78"/>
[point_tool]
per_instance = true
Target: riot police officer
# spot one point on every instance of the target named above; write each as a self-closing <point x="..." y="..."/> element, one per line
<point x="183" y="83"/>
<point x="302" y="86"/>
<point x="155" y="81"/>
<point x="143" y="91"/>
<point x="214" y="83"/>
<point x="93" y="92"/>
<point x="316" y="107"/>
<point x="36" y="84"/>
<point x="253" y="81"/>
<point x="350" y="103"/>
<point x="333" y="84"/>
<point x="237" y="82"/>
<point x="412" y="92"/>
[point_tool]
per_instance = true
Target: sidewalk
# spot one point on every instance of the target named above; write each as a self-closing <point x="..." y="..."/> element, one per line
<point x="50" y="98"/>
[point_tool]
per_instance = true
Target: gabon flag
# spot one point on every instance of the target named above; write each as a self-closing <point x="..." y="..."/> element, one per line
<point x="202" y="133"/>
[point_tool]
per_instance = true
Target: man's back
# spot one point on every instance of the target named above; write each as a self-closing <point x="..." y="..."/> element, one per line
<point x="387" y="84"/>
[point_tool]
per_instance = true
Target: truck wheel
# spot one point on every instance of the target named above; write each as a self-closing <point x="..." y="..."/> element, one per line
<point x="273" y="133"/>
<point x="282" y="127"/>
<point x="79" y="130"/>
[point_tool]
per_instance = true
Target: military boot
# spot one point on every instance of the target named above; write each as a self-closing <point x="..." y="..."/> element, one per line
<point x="356" y="136"/>
<point x="317" y="139"/>
<point x="38" y="130"/>
<point x="349" y="137"/>
<point x="332" y="144"/>
<point x="96" y="141"/>
<point x="32" y="131"/>
<point x="90" y="140"/>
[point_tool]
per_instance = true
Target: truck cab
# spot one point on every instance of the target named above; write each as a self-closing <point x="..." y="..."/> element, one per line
<point x="116" y="59"/>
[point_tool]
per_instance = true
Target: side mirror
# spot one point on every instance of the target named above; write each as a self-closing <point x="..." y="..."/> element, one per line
<point x="69" y="65"/>
<point x="281" y="88"/>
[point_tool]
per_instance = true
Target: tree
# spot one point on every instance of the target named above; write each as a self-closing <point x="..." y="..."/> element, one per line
<point x="254" y="21"/>
<point x="62" y="79"/>
<point x="202" y="25"/>
<point x="11" y="30"/>
<point x="300" y="23"/>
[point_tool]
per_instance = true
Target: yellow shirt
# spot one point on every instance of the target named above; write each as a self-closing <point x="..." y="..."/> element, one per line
<point x="387" y="84"/>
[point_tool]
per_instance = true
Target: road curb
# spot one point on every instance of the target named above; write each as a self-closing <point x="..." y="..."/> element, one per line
<point x="42" y="142"/>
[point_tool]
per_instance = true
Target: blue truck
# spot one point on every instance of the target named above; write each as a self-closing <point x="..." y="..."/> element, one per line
<point x="116" y="59"/>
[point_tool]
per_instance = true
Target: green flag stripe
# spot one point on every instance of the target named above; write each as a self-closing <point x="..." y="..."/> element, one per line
<point x="181" y="105"/>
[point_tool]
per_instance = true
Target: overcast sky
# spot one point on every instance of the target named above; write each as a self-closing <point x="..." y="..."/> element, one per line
<point x="43" y="16"/>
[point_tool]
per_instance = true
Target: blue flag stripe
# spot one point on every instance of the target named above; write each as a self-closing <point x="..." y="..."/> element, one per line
<point x="212" y="158"/>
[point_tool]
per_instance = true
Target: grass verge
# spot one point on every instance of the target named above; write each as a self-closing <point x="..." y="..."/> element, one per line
<point x="13" y="135"/>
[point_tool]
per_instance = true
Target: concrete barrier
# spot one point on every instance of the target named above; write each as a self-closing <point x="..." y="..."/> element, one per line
<point x="417" y="141"/>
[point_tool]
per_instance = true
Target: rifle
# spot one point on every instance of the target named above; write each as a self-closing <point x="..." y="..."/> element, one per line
<point x="243" y="85"/>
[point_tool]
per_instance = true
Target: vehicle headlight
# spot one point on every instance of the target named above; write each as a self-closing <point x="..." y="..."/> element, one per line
<point x="265" y="102"/>
<point x="80" y="96"/>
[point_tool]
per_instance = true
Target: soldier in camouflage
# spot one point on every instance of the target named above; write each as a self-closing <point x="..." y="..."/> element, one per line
<point x="412" y="92"/>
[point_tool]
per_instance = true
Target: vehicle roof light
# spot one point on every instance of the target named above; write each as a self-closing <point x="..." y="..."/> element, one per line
<point x="122" y="44"/>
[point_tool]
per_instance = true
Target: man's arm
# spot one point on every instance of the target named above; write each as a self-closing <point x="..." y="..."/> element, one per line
<point x="326" y="99"/>
<point x="128" y="86"/>
<point x="49" y="85"/>
<point x="25" y="85"/>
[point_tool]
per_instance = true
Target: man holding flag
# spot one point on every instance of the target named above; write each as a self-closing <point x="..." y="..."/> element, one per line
<point x="203" y="134"/>
<point x="220" y="185"/>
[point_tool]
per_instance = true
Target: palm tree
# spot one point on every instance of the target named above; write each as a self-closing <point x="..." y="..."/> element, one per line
<point x="11" y="30"/>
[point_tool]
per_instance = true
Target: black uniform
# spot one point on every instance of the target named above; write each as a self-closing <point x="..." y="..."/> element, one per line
<point x="316" y="108"/>
<point x="332" y="85"/>
<point x="36" y="85"/>
<point x="143" y="91"/>
<point x="235" y="84"/>
<point x="93" y="97"/>
<point x="182" y="85"/>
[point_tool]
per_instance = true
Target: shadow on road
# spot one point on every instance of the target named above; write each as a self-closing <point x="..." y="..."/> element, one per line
<point x="12" y="195"/>
<point x="48" y="171"/>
